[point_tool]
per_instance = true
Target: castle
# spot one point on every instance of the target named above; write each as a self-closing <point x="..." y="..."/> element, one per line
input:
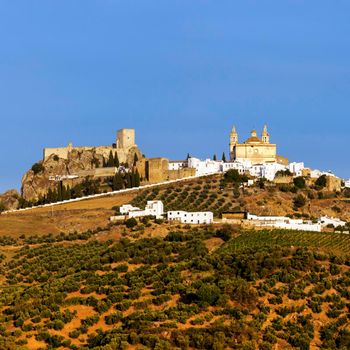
<point x="125" y="147"/>
<point x="256" y="150"/>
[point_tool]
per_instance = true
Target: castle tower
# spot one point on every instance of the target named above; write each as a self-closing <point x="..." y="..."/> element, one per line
<point x="265" y="137"/>
<point x="233" y="138"/>
<point x="125" y="139"/>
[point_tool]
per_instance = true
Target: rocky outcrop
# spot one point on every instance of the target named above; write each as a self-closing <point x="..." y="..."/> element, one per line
<point x="36" y="182"/>
<point x="9" y="200"/>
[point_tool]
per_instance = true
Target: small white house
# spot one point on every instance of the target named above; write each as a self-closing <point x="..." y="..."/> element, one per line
<point x="347" y="183"/>
<point x="204" y="167"/>
<point x="326" y="220"/>
<point x="153" y="208"/>
<point x="240" y="166"/>
<point x="266" y="170"/>
<point x="284" y="222"/>
<point x="202" y="217"/>
<point x="177" y="164"/>
<point x="317" y="173"/>
<point x="127" y="208"/>
<point x="296" y="168"/>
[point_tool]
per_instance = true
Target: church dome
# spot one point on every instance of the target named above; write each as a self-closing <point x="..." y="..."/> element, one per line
<point x="253" y="139"/>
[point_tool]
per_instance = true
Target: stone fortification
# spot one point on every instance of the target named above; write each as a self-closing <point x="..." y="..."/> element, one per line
<point x="125" y="147"/>
<point x="154" y="170"/>
<point x="37" y="184"/>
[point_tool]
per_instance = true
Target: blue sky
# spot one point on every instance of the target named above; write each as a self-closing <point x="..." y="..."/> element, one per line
<point x="180" y="72"/>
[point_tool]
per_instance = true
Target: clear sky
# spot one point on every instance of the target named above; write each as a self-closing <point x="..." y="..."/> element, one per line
<point x="180" y="72"/>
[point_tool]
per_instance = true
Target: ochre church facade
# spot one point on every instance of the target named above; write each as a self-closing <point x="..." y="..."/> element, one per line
<point x="255" y="149"/>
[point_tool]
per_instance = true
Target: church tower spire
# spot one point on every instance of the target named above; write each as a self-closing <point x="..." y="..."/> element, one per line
<point x="265" y="135"/>
<point x="233" y="138"/>
<point x="233" y="142"/>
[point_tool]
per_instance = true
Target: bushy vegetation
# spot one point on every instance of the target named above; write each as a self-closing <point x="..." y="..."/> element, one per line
<point x="254" y="290"/>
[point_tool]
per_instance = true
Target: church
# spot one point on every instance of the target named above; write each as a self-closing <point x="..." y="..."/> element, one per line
<point x="255" y="149"/>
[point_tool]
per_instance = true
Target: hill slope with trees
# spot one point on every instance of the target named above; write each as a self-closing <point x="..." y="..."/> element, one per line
<point x="204" y="288"/>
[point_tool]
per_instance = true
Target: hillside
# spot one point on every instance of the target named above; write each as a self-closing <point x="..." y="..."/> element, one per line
<point x="201" y="288"/>
<point x="72" y="280"/>
<point x="209" y="193"/>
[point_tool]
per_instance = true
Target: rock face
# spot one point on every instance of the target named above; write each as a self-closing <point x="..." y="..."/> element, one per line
<point x="36" y="184"/>
<point x="9" y="200"/>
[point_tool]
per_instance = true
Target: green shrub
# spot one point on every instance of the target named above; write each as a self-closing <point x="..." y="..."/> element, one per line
<point x="131" y="223"/>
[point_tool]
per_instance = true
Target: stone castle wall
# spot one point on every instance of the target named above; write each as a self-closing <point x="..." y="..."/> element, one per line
<point x="154" y="170"/>
<point x="125" y="144"/>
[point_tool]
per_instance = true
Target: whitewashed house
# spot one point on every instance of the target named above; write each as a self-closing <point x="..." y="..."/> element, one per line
<point x="326" y="220"/>
<point x="284" y="222"/>
<point x="317" y="173"/>
<point x="266" y="170"/>
<point x="205" y="167"/>
<point x="153" y="208"/>
<point x="177" y="164"/>
<point x="203" y="217"/>
<point x="241" y="166"/>
<point x="296" y="168"/>
<point x="347" y="183"/>
<point x="127" y="208"/>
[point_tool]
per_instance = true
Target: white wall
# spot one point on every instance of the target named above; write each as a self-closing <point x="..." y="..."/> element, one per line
<point x="204" y="217"/>
<point x="296" y="168"/>
<point x="325" y="220"/>
<point x="153" y="208"/>
<point x="177" y="165"/>
<point x="204" y="167"/>
<point x="127" y="208"/>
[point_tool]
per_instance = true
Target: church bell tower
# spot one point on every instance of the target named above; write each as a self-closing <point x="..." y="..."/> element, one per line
<point x="265" y="137"/>
<point x="233" y="142"/>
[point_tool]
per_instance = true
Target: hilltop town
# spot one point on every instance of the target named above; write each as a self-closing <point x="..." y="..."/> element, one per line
<point x="71" y="172"/>
<point x="106" y="248"/>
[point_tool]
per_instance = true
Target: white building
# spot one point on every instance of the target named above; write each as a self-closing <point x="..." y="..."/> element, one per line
<point x="241" y="166"/>
<point x="205" y="167"/>
<point x="153" y="208"/>
<point x="317" y="173"/>
<point x="284" y="222"/>
<point x="266" y="170"/>
<point x="347" y="183"/>
<point x="127" y="208"/>
<point x="296" y="168"/>
<point x="203" y="217"/>
<point x="326" y="220"/>
<point x="177" y="164"/>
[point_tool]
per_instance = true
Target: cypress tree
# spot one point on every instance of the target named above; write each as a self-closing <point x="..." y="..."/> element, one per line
<point x="128" y="180"/>
<point x="136" y="158"/>
<point x="110" y="160"/>
<point x="214" y="157"/>
<point x="69" y="193"/>
<point x="132" y="179"/>
<point x="137" y="179"/>
<point x="223" y="157"/>
<point x="59" y="192"/>
<point x="49" y="196"/>
<point x="118" y="182"/>
<point x="116" y="160"/>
